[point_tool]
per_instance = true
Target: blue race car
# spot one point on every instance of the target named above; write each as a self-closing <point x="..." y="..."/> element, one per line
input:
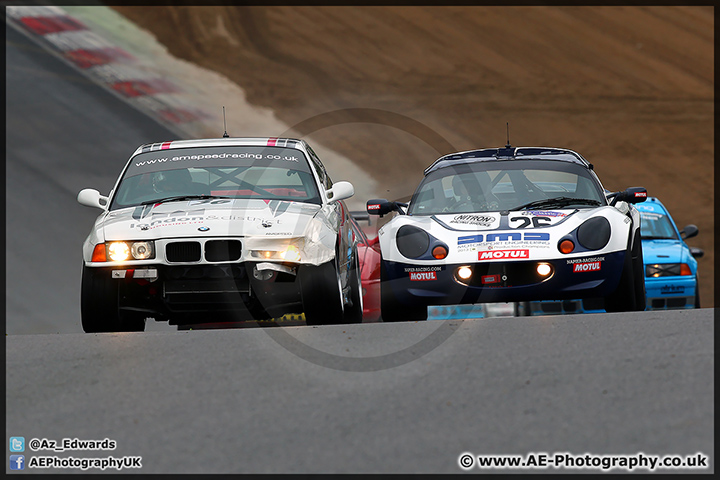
<point x="671" y="276"/>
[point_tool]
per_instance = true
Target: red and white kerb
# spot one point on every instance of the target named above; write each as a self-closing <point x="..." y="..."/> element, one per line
<point x="106" y="63"/>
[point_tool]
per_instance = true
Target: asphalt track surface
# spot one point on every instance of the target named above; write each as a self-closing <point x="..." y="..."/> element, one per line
<point x="369" y="398"/>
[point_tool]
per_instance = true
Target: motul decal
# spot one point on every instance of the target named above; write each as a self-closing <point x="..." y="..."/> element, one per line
<point x="641" y="194"/>
<point x="373" y="207"/>
<point x="586" y="267"/>
<point x="422" y="276"/>
<point x="503" y="254"/>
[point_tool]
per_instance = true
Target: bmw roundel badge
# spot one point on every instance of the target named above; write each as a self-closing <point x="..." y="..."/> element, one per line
<point x="204" y="229"/>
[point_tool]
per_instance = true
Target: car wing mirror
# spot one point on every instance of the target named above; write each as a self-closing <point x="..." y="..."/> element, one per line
<point x="340" y="191"/>
<point x="92" y="198"/>
<point x="631" y="195"/>
<point x="380" y="206"/>
<point x="697" y="252"/>
<point x="689" y="231"/>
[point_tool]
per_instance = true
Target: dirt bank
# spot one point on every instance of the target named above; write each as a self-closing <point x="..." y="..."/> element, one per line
<point x="630" y="88"/>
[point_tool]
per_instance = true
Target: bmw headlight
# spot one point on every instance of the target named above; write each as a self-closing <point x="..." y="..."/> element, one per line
<point x="291" y="254"/>
<point x="142" y="250"/>
<point x="284" y="250"/>
<point x="122" y="251"/>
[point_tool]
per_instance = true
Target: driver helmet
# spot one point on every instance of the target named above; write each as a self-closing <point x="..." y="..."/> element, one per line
<point x="460" y="188"/>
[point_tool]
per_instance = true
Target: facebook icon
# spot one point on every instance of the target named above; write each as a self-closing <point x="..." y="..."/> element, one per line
<point x="17" y="462"/>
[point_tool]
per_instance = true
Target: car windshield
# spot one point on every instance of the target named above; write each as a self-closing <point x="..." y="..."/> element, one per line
<point x="506" y="185"/>
<point x="656" y="226"/>
<point x="267" y="173"/>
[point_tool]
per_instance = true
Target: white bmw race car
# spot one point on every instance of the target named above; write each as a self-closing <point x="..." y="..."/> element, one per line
<point x="227" y="229"/>
<point x="506" y="225"/>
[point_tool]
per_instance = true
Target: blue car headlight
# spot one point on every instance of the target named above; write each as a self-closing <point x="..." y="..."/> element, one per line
<point x="667" y="270"/>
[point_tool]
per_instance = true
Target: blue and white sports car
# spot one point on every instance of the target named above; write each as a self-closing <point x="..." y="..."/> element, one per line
<point x="671" y="276"/>
<point x="510" y="224"/>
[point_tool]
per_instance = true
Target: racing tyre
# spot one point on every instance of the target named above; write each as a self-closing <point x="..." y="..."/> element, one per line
<point x="625" y="296"/>
<point x="99" y="305"/>
<point x="354" y="310"/>
<point x="393" y="311"/>
<point x="256" y="309"/>
<point x="639" y="273"/>
<point x="321" y="292"/>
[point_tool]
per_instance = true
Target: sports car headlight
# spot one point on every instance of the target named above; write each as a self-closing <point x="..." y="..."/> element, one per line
<point x="412" y="242"/>
<point x="594" y="233"/>
<point x="464" y="272"/>
<point x="122" y="251"/>
<point x="667" y="270"/>
<point x="544" y="269"/>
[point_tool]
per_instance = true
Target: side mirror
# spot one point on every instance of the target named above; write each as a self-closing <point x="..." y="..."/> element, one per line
<point x="631" y="195"/>
<point x="380" y="206"/>
<point x="340" y="191"/>
<point x="689" y="231"/>
<point x="92" y="198"/>
<point x="697" y="252"/>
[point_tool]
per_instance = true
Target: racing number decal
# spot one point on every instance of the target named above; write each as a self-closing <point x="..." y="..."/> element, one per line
<point x="536" y="221"/>
<point x="525" y="219"/>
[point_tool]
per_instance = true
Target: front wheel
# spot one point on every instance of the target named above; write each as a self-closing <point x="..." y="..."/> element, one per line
<point x="321" y="292"/>
<point x="391" y="309"/>
<point x="630" y="293"/>
<point x="639" y="274"/>
<point x="99" y="305"/>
